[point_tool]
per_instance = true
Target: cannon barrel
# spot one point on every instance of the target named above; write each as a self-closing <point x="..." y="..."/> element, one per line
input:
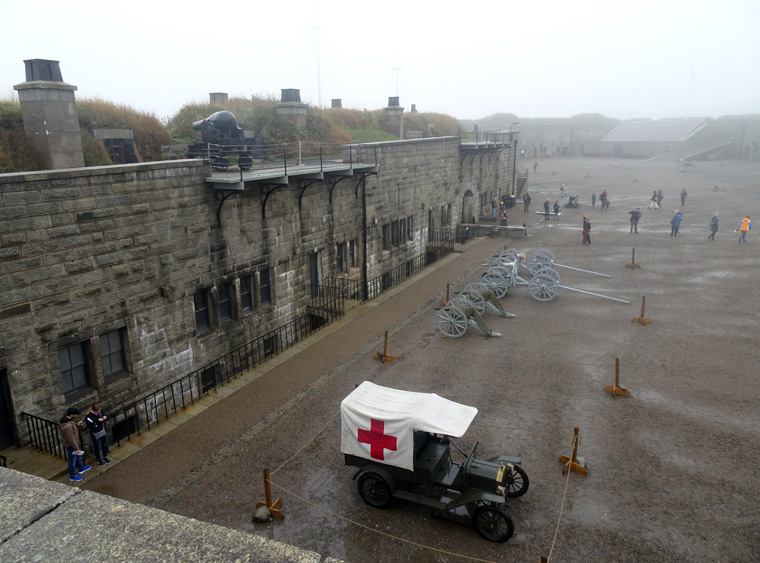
<point x="223" y="122"/>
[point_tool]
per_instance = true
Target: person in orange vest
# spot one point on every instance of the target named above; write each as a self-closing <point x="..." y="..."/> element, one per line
<point x="745" y="226"/>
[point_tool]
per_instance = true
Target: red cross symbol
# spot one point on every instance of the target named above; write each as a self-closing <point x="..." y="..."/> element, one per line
<point x="377" y="439"/>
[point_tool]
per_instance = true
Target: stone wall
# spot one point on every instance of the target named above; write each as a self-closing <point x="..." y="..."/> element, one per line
<point x="92" y="253"/>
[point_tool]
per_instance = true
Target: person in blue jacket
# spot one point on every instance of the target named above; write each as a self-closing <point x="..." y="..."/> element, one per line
<point x="675" y="222"/>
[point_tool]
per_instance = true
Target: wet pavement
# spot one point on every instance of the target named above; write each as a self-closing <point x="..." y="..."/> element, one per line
<point x="671" y="474"/>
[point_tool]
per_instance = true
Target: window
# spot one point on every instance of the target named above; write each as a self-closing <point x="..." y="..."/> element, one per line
<point x="448" y="214"/>
<point x="112" y="356"/>
<point x="225" y="301"/>
<point x="394" y="233"/>
<point x="75" y="373"/>
<point x="402" y="230"/>
<point x="264" y="285"/>
<point x="339" y="260"/>
<point x="246" y="294"/>
<point x="444" y="221"/>
<point x="352" y="253"/>
<point x="384" y="237"/>
<point x="410" y="227"/>
<point x="202" y="318"/>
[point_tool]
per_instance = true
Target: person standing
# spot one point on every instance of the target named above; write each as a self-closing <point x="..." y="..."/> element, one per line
<point x="96" y="422"/>
<point x="494" y="205"/>
<point x="635" y="216"/>
<point x="586" y="230"/>
<point x="745" y="226"/>
<point x="526" y="202"/>
<point x="535" y="166"/>
<point x="547" y="203"/>
<point x="683" y="197"/>
<point x="660" y="197"/>
<point x="653" y="200"/>
<point x="593" y="200"/>
<point x="603" y="200"/>
<point x="556" y="210"/>
<point x="675" y="223"/>
<point x="713" y="227"/>
<point x="70" y="440"/>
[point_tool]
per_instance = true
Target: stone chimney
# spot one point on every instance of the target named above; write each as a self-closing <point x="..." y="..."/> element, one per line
<point x="336" y="103"/>
<point x="218" y="97"/>
<point x="394" y="118"/>
<point x="291" y="109"/>
<point x="49" y="111"/>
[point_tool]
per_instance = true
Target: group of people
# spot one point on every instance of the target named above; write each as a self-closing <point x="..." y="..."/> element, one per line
<point x="95" y="421"/>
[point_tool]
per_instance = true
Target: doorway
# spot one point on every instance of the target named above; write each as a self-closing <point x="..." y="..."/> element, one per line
<point x="6" y="417"/>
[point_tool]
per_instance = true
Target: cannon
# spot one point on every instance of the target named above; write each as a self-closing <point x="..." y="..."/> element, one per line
<point x="223" y="140"/>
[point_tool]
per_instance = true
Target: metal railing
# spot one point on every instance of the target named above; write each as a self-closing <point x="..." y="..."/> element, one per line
<point x="348" y="288"/>
<point x="45" y="435"/>
<point x="286" y="157"/>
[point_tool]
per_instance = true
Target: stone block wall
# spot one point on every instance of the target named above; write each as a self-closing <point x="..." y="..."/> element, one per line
<point x="87" y="254"/>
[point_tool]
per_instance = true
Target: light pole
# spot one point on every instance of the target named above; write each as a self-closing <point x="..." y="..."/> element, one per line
<point x="514" y="155"/>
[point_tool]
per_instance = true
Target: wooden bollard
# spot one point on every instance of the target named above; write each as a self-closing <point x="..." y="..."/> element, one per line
<point x="274" y="507"/>
<point x="574" y="463"/>
<point x="443" y="303"/>
<point x="633" y="264"/>
<point x="642" y="319"/>
<point x="384" y="356"/>
<point x="616" y="389"/>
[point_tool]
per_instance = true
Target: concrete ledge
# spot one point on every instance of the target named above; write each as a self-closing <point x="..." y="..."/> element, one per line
<point x="44" y="521"/>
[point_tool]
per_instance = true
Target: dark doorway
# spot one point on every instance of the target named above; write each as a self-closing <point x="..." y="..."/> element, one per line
<point x="315" y="272"/>
<point x="6" y="418"/>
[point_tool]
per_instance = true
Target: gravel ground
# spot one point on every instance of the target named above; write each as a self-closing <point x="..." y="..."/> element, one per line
<point x="671" y="469"/>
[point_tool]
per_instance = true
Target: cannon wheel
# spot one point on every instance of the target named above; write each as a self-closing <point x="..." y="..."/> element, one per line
<point x="471" y="298"/>
<point x="542" y="287"/>
<point x="245" y="162"/>
<point x="374" y="490"/>
<point x="502" y="270"/>
<point x="517" y="483"/>
<point x="476" y="286"/>
<point x="219" y="163"/>
<point x="498" y="283"/>
<point x="510" y="254"/>
<point x="549" y="271"/>
<point x="493" y="523"/>
<point x="540" y="257"/>
<point x="451" y="321"/>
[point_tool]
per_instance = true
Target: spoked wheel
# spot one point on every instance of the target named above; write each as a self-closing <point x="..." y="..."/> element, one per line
<point x="245" y="162"/>
<point x="510" y="254"/>
<point x="542" y="287"/>
<point x="502" y="270"/>
<point x="219" y="163"/>
<point x="493" y="523"/>
<point x="480" y="287"/>
<point x="517" y="482"/>
<point x="540" y="257"/>
<point x="498" y="283"/>
<point x="471" y="298"/>
<point x="374" y="490"/>
<point x="451" y="321"/>
<point x="548" y="271"/>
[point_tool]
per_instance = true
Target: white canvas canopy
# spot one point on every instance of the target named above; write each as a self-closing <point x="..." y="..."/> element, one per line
<point x="378" y="422"/>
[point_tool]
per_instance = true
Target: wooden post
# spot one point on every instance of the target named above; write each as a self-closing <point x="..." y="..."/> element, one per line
<point x="572" y="463"/>
<point x="444" y="303"/>
<point x="642" y="319"/>
<point x="633" y="264"/>
<point x="616" y="389"/>
<point x="274" y="507"/>
<point x="384" y="356"/>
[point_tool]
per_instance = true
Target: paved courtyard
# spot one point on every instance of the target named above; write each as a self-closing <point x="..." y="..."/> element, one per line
<point x="672" y="472"/>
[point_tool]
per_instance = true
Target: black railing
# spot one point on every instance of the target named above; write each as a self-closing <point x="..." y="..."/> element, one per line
<point x="348" y="288"/>
<point x="45" y="435"/>
<point x="326" y="302"/>
<point x="442" y="239"/>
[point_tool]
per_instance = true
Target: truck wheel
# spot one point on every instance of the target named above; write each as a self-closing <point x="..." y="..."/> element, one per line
<point x="374" y="490"/>
<point x="493" y="524"/>
<point x="517" y="483"/>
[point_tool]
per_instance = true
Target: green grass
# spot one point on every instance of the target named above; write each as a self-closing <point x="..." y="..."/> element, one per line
<point x="371" y="136"/>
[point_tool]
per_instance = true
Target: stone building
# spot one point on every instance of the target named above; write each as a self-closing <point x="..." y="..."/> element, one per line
<point x="117" y="281"/>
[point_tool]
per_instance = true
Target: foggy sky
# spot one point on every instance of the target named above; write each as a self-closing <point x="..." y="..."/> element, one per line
<point x="653" y="59"/>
